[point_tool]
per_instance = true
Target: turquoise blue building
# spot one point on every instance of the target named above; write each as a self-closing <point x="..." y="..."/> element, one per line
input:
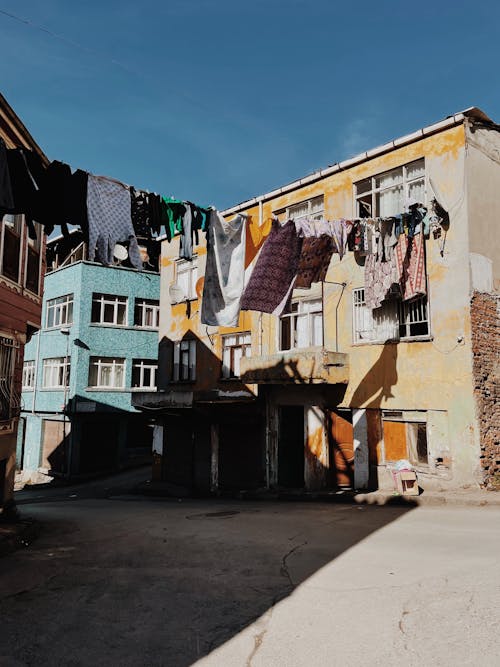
<point x="97" y="345"/>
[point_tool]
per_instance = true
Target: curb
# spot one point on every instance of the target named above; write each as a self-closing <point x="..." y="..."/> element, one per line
<point x="381" y="498"/>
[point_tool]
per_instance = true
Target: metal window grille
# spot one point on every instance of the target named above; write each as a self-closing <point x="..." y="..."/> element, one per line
<point x="393" y="320"/>
<point x="10" y="400"/>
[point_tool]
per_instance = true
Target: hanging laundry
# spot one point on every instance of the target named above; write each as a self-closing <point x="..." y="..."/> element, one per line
<point x="314" y="260"/>
<point x="139" y="210"/>
<point x="388" y="238"/>
<point x="6" y="196"/>
<point x="410" y="266"/>
<point x="156" y="220"/>
<point x="186" y="246"/>
<point x="25" y="186"/>
<point x="272" y="279"/>
<point x="175" y="210"/>
<point x="340" y="233"/>
<point x="225" y="270"/>
<point x="78" y="214"/>
<point x="55" y="197"/>
<point x="380" y="280"/>
<point x="110" y="222"/>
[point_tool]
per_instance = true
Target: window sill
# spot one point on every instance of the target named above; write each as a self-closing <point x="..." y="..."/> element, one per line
<point x="101" y="389"/>
<point x="149" y="389"/>
<point x="58" y="327"/>
<point x="394" y="341"/>
<point x="134" y="327"/>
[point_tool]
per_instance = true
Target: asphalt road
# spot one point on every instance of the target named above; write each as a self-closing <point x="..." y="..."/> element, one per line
<point x="119" y="580"/>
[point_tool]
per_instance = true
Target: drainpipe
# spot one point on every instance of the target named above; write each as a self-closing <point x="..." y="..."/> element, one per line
<point x="37" y="357"/>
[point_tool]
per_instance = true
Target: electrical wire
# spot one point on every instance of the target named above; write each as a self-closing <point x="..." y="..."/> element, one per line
<point x="68" y="41"/>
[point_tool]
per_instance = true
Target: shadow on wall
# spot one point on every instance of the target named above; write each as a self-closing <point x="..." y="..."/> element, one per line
<point x="379" y="380"/>
<point x="94" y="438"/>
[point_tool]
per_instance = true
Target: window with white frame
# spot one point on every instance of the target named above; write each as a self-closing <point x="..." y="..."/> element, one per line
<point x="7" y="361"/>
<point x="56" y="373"/>
<point x="147" y="313"/>
<point x="302" y="326"/>
<point x="28" y="375"/>
<point x="109" y="309"/>
<point x="184" y="366"/>
<point x="11" y="232"/>
<point x="144" y="373"/>
<point x="234" y="347"/>
<point x="186" y="277"/>
<point x="394" y="320"/>
<point x="106" y="373"/>
<point x="392" y="192"/>
<point x="312" y="209"/>
<point x="59" y="311"/>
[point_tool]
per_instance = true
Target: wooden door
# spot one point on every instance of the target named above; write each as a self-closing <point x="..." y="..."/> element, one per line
<point x="341" y="447"/>
<point x="54" y="445"/>
<point x="395" y="441"/>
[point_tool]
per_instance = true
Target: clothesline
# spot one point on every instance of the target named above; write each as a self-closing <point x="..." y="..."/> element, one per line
<point x="106" y="210"/>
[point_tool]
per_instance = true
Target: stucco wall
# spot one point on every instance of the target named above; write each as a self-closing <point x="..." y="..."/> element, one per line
<point x="434" y="375"/>
<point x="483" y="194"/>
<point x="85" y="340"/>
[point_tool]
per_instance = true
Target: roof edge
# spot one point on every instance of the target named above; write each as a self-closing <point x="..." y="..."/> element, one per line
<point x="450" y="121"/>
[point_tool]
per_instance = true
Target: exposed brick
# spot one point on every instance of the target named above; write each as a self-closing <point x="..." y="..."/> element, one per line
<point x="485" y="321"/>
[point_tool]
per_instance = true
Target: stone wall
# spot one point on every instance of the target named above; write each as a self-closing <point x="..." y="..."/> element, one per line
<point x="485" y="309"/>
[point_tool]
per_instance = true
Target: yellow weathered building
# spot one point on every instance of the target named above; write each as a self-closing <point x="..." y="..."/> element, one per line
<point x="338" y="403"/>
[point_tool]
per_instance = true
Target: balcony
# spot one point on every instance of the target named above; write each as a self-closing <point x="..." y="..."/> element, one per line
<point x="313" y="365"/>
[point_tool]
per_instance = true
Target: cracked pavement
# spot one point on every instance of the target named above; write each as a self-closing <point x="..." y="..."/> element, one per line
<point x="116" y="579"/>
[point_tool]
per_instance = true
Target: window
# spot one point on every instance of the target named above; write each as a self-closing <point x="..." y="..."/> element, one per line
<point x="392" y="192"/>
<point x="303" y="326"/>
<point x="32" y="280"/>
<point x="405" y="436"/>
<point x="186" y="276"/>
<point x="56" y="373"/>
<point x="314" y="209"/>
<point x="184" y="361"/>
<point x="10" y="246"/>
<point x="144" y="373"/>
<point x="109" y="309"/>
<point x="106" y="373"/>
<point x="235" y="347"/>
<point x="394" y="320"/>
<point x="59" y="311"/>
<point x="28" y="375"/>
<point x="7" y="360"/>
<point x="147" y="313"/>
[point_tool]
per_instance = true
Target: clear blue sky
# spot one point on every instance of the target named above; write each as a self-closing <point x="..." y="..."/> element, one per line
<point x="217" y="101"/>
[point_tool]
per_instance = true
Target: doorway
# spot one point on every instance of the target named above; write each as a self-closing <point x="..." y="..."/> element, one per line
<point x="341" y="437"/>
<point x="291" y="447"/>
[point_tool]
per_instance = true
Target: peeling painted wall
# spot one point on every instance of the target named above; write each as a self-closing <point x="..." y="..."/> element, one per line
<point x="433" y="375"/>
